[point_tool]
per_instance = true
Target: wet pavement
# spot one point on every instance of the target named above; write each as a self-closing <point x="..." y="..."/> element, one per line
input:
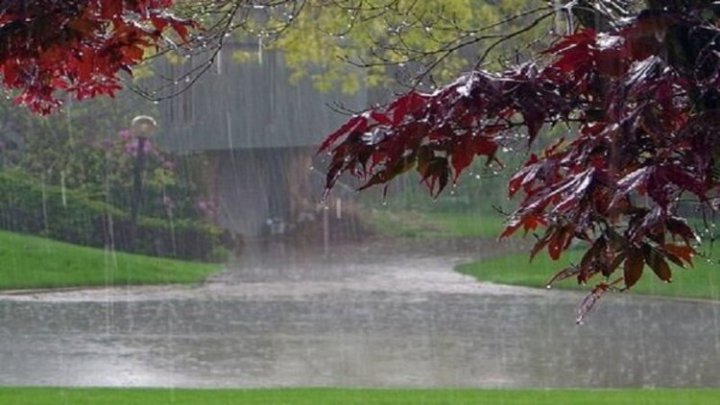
<point x="372" y="315"/>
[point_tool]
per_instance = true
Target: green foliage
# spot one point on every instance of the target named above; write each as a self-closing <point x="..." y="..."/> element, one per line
<point x="86" y="148"/>
<point x="385" y="38"/>
<point x="469" y="210"/>
<point x="435" y="224"/>
<point x="476" y="197"/>
<point x="33" y="262"/>
<point x="68" y="215"/>
<point x="68" y="144"/>
<point x="316" y="396"/>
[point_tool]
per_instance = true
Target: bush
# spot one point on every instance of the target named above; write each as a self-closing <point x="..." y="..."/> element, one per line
<point x="29" y="207"/>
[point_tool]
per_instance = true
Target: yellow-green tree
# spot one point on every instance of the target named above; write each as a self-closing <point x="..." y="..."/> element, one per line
<point x="348" y="44"/>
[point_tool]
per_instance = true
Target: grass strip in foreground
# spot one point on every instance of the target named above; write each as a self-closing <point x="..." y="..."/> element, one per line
<point x="60" y="396"/>
<point x="701" y="281"/>
<point x="28" y="262"/>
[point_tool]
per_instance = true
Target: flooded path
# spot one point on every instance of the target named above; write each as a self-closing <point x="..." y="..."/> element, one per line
<point x="372" y="315"/>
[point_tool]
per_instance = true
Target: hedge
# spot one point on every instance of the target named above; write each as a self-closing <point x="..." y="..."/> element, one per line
<point x="31" y="208"/>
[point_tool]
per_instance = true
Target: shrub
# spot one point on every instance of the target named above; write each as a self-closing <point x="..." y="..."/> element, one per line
<point x="70" y="216"/>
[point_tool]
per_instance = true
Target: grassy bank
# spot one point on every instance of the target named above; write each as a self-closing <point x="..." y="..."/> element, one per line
<point x="54" y="396"/>
<point x="32" y="262"/>
<point x="414" y="224"/>
<point x="701" y="281"/>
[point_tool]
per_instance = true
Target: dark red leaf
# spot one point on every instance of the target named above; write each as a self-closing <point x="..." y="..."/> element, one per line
<point x="436" y="175"/>
<point x="542" y="242"/>
<point x="510" y="227"/>
<point x="632" y="182"/>
<point x="534" y="116"/>
<point x="532" y="222"/>
<point x="682" y="252"/>
<point x="657" y="264"/>
<point x="681" y="178"/>
<point x="632" y="270"/>
<point x="563" y="274"/>
<point x="181" y="28"/>
<point x="485" y="146"/>
<point x="462" y="155"/>
<point x="355" y="124"/>
<point x="380" y="118"/>
<point x="590" y="300"/>
<point x="559" y="242"/>
<point x="524" y="176"/>
<point x="406" y="105"/>
<point x="679" y="226"/>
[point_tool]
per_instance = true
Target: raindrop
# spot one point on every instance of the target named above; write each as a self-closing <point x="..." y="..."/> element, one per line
<point x="260" y="50"/>
<point x="63" y="189"/>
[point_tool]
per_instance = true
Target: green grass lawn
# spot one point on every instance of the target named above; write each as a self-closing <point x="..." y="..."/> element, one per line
<point x="60" y="396"/>
<point x="701" y="281"/>
<point x="400" y="223"/>
<point x="32" y="262"/>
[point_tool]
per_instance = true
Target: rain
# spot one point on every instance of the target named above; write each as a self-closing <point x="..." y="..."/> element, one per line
<point x="206" y="253"/>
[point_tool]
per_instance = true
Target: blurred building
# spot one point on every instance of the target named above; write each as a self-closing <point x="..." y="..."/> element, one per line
<point x="259" y="133"/>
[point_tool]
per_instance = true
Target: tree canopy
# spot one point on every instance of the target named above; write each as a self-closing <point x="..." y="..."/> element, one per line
<point x="77" y="46"/>
<point x="390" y="40"/>
<point x="50" y="49"/>
<point x="637" y="91"/>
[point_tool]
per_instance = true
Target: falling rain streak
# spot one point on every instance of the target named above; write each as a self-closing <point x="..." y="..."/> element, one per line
<point x="201" y="248"/>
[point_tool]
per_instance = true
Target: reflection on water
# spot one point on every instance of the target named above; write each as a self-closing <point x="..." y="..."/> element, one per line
<point x="372" y="323"/>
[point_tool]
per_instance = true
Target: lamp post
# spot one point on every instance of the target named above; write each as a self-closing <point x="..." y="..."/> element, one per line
<point x="142" y="127"/>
